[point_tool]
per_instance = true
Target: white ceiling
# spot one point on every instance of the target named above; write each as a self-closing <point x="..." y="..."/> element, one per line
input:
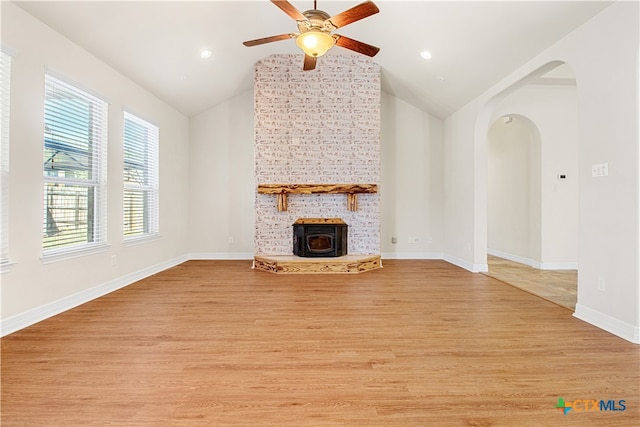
<point x="157" y="43"/>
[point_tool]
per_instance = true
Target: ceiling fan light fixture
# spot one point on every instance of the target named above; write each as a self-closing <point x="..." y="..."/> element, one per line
<point x="315" y="27"/>
<point x="315" y="43"/>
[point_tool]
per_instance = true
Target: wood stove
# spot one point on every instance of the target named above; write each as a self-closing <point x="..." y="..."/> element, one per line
<point x="319" y="237"/>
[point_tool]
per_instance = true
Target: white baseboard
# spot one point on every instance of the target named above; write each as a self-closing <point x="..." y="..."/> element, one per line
<point x="512" y="257"/>
<point x="617" y="327"/>
<point x="533" y="263"/>
<point x="411" y="255"/>
<point x="38" y="314"/>
<point x="220" y="255"/>
<point x="249" y="255"/>
<point x="474" y="268"/>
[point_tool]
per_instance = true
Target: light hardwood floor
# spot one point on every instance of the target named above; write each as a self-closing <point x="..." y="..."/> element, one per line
<point x="557" y="286"/>
<point x="416" y="343"/>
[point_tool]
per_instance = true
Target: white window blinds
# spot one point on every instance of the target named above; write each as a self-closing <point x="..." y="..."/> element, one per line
<point x="74" y="167"/>
<point x="5" y="98"/>
<point x="141" y="211"/>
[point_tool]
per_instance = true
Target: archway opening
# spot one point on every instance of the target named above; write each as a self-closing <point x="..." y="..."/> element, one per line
<point x="532" y="185"/>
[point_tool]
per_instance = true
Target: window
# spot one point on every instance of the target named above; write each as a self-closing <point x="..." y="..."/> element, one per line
<point x="140" y="177"/>
<point x="5" y="90"/>
<point x="75" y="136"/>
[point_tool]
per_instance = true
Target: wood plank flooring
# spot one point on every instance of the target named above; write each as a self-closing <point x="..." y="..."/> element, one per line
<point x="557" y="286"/>
<point x="416" y="343"/>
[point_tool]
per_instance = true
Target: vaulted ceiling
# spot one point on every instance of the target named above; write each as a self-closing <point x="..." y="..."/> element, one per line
<point x="474" y="44"/>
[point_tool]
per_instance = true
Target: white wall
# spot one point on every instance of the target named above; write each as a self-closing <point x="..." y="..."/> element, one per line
<point x="604" y="56"/>
<point x="513" y="192"/>
<point x="412" y="191"/>
<point x="32" y="290"/>
<point x="465" y="185"/>
<point x="221" y="180"/>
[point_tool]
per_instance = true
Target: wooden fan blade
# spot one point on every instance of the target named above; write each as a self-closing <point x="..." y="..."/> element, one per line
<point x="309" y="62"/>
<point x="356" y="46"/>
<point x="264" y="40"/>
<point x="289" y="9"/>
<point x="354" y="14"/>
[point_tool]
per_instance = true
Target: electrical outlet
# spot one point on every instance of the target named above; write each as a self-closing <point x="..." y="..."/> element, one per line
<point x="394" y="240"/>
<point x="413" y="240"/>
<point x="113" y="260"/>
<point x="602" y="284"/>
<point x="231" y="240"/>
<point x="429" y="240"/>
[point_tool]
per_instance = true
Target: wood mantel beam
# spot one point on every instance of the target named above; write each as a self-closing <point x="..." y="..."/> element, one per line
<point x="352" y="191"/>
<point x="317" y="188"/>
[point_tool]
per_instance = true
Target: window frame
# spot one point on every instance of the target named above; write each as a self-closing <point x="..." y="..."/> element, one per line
<point x="141" y="146"/>
<point x="83" y="104"/>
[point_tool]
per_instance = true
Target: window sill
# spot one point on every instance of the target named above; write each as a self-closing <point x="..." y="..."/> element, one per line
<point x="139" y="240"/>
<point x="6" y="266"/>
<point x="62" y="255"/>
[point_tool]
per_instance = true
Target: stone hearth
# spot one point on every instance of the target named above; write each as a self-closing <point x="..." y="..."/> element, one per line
<point x="290" y="264"/>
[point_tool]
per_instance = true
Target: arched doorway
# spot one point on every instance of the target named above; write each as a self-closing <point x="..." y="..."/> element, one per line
<point x="532" y="186"/>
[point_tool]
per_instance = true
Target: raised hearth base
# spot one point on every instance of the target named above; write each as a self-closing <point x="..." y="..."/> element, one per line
<point x="291" y="264"/>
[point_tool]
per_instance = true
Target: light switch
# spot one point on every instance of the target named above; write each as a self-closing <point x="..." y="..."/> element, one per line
<point x="600" y="169"/>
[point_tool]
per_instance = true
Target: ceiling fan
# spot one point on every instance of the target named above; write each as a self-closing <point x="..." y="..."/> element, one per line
<point x="315" y="27"/>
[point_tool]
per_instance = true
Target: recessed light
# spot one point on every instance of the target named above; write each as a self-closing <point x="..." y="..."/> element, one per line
<point x="425" y="54"/>
<point x="206" y="54"/>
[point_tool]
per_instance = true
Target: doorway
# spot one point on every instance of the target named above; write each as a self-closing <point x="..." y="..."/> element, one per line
<point x="532" y="194"/>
